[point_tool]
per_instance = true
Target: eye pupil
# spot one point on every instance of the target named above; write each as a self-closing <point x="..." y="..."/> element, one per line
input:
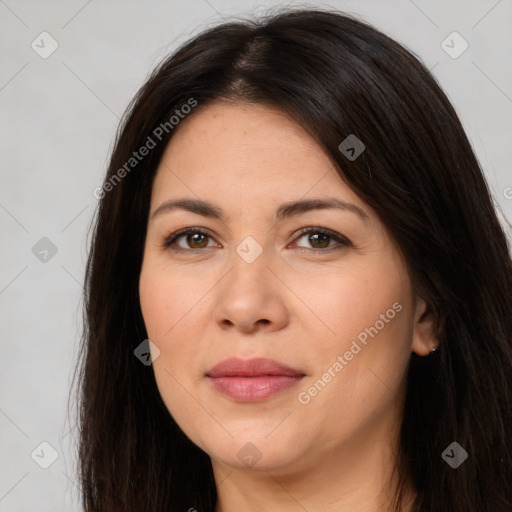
<point x="194" y="237"/>
<point x="322" y="236"/>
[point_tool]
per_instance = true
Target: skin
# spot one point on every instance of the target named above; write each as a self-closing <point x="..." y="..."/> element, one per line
<point x="301" y="308"/>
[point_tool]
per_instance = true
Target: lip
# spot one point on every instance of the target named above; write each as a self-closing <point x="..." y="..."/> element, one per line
<point x="252" y="380"/>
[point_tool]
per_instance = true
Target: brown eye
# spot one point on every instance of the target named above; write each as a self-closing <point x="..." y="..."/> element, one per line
<point x="320" y="239"/>
<point x="195" y="238"/>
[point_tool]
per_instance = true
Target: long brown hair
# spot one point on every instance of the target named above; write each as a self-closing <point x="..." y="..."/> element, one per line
<point x="336" y="76"/>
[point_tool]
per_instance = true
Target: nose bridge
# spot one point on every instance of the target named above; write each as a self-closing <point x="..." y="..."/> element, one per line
<point x="249" y="266"/>
<point x="249" y="293"/>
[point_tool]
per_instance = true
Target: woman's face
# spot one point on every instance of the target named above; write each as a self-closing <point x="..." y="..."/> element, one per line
<point x="334" y="305"/>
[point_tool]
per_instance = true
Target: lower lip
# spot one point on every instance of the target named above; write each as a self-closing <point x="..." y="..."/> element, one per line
<point x="253" y="389"/>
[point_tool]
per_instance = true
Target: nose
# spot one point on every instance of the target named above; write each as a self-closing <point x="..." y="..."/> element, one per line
<point x="251" y="298"/>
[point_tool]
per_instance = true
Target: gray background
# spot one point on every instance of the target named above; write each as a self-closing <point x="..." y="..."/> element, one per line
<point x="58" y="119"/>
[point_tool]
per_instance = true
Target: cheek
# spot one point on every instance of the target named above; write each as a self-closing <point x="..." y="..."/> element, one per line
<point x="166" y="300"/>
<point x="173" y="312"/>
<point x="169" y="319"/>
<point x="357" y="385"/>
<point x="164" y="307"/>
<point x="362" y="365"/>
<point x="358" y="304"/>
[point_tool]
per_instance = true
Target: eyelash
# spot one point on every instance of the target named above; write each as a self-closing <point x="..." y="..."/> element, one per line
<point x="168" y="242"/>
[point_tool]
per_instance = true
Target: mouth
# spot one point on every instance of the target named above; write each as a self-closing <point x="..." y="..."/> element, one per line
<point x="252" y="380"/>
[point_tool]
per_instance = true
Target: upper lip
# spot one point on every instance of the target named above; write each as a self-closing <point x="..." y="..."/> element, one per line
<point x="258" y="366"/>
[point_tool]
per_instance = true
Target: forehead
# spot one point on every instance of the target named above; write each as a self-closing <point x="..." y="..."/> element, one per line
<point x="245" y="150"/>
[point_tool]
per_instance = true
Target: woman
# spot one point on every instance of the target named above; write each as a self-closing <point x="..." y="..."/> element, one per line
<point x="298" y="291"/>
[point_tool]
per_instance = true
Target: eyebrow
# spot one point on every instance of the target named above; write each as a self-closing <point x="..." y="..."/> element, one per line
<point x="286" y="210"/>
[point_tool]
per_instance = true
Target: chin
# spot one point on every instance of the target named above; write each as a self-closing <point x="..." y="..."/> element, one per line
<point x="255" y="452"/>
